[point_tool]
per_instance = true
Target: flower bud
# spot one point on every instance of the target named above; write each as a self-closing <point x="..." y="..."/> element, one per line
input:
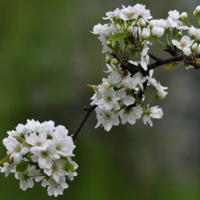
<point x="115" y="61"/>
<point x="130" y="29"/>
<point x="161" y="95"/>
<point x="108" y="59"/>
<point x="197" y="10"/>
<point x="108" y="44"/>
<point x="193" y="32"/>
<point x="145" y="34"/>
<point x="184" y="16"/>
<point x="114" y="45"/>
<point x="157" y="32"/>
<point x="142" y="23"/>
<point x="152" y="23"/>
<point x="130" y="47"/>
<point x="198" y="39"/>
<point x="195" y="13"/>
<point x="193" y="47"/>
<point x="180" y="34"/>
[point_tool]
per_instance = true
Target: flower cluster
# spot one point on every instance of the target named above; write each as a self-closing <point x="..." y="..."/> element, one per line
<point x="125" y="95"/>
<point x="41" y="152"/>
<point x="121" y="96"/>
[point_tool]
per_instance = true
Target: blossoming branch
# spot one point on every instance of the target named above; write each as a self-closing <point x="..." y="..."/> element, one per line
<point x="43" y="152"/>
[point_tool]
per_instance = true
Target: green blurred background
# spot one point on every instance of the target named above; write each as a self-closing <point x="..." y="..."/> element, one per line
<point x="48" y="56"/>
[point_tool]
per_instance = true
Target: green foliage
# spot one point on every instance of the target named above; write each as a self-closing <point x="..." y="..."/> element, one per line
<point x="118" y="36"/>
<point x="22" y="166"/>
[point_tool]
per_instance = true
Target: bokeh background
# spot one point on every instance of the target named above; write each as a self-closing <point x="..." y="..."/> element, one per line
<point x="48" y="56"/>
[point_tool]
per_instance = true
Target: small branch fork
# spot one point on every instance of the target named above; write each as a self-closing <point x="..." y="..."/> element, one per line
<point x="133" y="69"/>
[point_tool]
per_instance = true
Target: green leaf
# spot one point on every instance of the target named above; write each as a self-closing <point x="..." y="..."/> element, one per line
<point x="6" y="159"/>
<point x="21" y="167"/>
<point x="118" y="36"/>
<point x="69" y="166"/>
<point x="198" y="60"/>
<point x="171" y="65"/>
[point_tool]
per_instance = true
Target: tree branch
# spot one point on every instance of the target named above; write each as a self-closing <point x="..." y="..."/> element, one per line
<point x="133" y="69"/>
<point x="160" y="62"/>
<point x="89" y="111"/>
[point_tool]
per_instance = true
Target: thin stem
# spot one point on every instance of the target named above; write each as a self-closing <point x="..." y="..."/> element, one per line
<point x="89" y="111"/>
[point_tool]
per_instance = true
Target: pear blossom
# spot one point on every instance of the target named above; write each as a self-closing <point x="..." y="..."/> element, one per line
<point x="144" y="58"/>
<point x="184" y="44"/>
<point x="40" y="152"/>
<point x="112" y="14"/>
<point x="153" y="112"/>
<point x="57" y="188"/>
<point x="130" y="115"/>
<point x="106" y="119"/>
<point x="174" y="15"/>
<point x="124" y="98"/>
<point x="26" y="178"/>
<point x="15" y="149"/>
<point x="44" y="155"/>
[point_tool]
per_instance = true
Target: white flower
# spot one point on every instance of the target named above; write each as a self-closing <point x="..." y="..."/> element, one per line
<point x="26" y="178"/>
<point x="63" y="144"/>
<point x="109" y="100"/>
<point x="162" y="23"/>
<point x="57" y="188"/>
<point x="71" y="173"/>
<point x="7" y="168"/>
<point x="130" y="115"/>
<point x="45" y="154"/>
<point x="154" y="112"/>
<point x="184" y="45"/>
<point x="112" y="14"/>
<point x="124" y="98"/>
<point x="106" y="119"/>
<point x="144" y="58"/>
<point x="134" y="12"/>
<point x="37" y="139"/>
<point x="104" y="30"/>
<point x="57" y="170"/>
<point x="174" y="15"/>
<point x="161" y="94"/>
<point x="15" y="148"/>
<point x="135" y="82"/>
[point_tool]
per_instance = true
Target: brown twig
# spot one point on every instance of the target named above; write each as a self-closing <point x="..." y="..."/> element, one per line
<point x="89" y="111"/>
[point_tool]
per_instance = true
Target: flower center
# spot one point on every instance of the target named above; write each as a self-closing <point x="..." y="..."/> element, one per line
<point x="108" y="98"/>
<point x="54" y="167"/>
<point x="107" y="116"/>
<point x="38" y="143"/>
<point x="183" y="44"/>
<point x="130" y="15"/>
<point x="18" y="148"/>
<point x="58" y="147"/>
<point x="45" y="154"/>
